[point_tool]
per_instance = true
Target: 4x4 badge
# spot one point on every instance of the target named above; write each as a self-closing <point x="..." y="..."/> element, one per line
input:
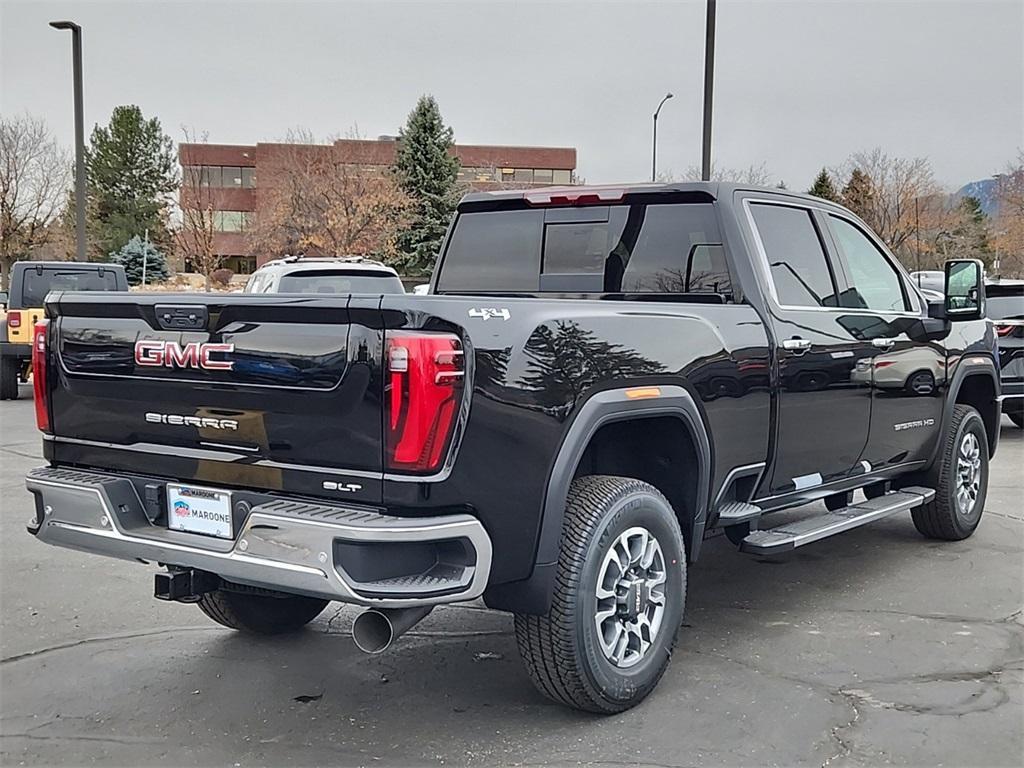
<point x="486" y="313"/>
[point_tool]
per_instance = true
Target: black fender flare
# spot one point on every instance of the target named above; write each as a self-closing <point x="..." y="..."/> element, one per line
<point x="533" y="595"/>
<point x="972" y="364"/>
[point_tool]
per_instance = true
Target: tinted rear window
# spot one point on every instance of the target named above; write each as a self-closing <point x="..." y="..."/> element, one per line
<point x="38" y="285"/>
<point x="1005" y="307"/>
<point x="339" y="282"/>
<point x="639" y="248"/>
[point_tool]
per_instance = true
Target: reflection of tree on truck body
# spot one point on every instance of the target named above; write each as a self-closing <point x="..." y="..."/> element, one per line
<point x="565" y="360"/>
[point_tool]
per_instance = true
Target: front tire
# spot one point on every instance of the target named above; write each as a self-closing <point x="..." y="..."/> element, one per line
<point x="9" y="378"/>
<point x="258" y="613"/>
<point x="620" y="590"/>
<point x="960" y="479"/>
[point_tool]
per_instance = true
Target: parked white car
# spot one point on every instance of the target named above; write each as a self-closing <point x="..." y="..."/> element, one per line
<point x="300" y="274"/>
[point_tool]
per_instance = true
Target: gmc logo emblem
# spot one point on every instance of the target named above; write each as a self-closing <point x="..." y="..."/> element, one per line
<point x="171" y="354"/>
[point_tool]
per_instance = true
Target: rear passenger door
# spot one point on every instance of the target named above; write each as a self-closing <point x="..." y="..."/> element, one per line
<point x="908" y="373"/>
<point x="824" y="399"/>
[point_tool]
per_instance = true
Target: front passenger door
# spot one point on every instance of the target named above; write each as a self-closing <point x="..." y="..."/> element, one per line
<point x="908" y="373"/>
<point x="823" y="405"/>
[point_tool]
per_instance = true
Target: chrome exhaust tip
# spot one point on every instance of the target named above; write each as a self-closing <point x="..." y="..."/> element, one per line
<point x="376" y="629"/>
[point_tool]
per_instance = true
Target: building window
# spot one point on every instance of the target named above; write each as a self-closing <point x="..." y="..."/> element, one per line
<point x="476" y="174"/>
<point x="524" y="175"/>
<point x="231" y="177"/>
<point x="217" y="176"/>
<point x="231" y="221"/>
<point x="507" y="174"/>
<point x="542" y="175"/>
<point x="562" y="177"/>
<point x="210" y="176"/>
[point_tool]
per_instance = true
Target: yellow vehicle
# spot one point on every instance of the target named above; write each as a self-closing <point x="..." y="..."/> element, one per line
<point x="30" y="281"/>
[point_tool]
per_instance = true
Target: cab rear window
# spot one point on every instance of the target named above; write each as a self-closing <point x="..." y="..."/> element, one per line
<point x="632" y="248"/>
<point x="37" y="284"/>
<point x="326" y="281"/>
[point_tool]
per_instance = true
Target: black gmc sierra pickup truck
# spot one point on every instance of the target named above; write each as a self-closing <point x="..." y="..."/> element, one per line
<point x="600" y="380"/>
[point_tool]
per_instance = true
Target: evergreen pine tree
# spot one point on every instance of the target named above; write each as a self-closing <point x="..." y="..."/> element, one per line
<point x="971" y="232"/>
<point x="857" y="193"/>
<point x="131" y="256"/>
<point x="823" y="187"/>
<point x="426" y="171"/>
<point x="130" y="173"/>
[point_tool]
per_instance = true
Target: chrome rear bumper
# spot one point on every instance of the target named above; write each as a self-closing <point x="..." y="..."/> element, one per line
<point x="289" y="546"/>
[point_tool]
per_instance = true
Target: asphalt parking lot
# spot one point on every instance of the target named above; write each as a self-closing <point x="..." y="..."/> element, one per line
<point x="874" y="647"/>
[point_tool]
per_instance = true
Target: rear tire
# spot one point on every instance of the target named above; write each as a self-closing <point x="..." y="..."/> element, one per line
<point x="259" y="613"/>
<point x="960" y="480"/>
<point x="620" y="589"/>
<point x="9" y="378"/>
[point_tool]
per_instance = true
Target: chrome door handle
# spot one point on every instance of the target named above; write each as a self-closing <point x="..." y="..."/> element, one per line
<point x="883" y="343"/>
<point x="796" y="344"/>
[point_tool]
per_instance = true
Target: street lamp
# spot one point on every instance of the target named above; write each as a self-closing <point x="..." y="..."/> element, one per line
<point x="654" y="146"/>
<point x="709" y="81"/>
<point x="76" y="55"/>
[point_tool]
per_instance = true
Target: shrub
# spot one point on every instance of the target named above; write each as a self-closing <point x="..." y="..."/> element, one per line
<point x="222" y="276"/>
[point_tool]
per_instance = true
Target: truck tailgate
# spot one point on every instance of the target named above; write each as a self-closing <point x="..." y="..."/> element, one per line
<point x="254" y="391"/>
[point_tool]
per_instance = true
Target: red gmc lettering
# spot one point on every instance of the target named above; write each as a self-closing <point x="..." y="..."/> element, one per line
<point x="171" y="354"/>
<point x="182" y="357"/>
<point x="149" y="353"/>
<point x="215" y="365"/>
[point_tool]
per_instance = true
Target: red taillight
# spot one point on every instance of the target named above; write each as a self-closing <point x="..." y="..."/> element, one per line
<point x="424" y="392"/>
<point x="39" y="376"/>
<point x="1004" y="330"/>
<point x="575" y="196"/>
<point x="14" y="319"/>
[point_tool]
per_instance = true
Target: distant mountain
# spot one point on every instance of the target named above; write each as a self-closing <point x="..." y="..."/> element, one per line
<point x="984" y="190"/>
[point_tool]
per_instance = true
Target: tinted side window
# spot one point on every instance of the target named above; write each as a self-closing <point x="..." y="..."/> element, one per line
<point x="493" y="251"/>
<point x="675" y="249"/>
<point x="875" y="282"/>
<point x="796" y="258"/>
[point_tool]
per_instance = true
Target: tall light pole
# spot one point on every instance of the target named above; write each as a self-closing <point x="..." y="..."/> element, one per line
<point x="654" y="144"/>
<point x="709" y="82"/>
<point x="76" y="55"/>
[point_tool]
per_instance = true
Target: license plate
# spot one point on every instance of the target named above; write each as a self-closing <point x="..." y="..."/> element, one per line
<point x="199" y="510"/>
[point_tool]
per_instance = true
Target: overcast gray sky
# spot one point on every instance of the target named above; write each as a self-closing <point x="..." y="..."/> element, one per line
<point x="798" y="84"/>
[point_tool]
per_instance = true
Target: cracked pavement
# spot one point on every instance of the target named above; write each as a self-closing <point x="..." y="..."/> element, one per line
<point x="876" y="646"/>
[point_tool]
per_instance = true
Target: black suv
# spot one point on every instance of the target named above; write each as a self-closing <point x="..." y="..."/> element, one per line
<point x="1006" y="309"/>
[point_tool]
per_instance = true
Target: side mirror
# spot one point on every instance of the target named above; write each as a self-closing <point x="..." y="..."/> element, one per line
<point x="965" y="290"/>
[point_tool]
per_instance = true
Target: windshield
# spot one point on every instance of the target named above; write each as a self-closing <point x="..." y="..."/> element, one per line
<point x="323" y="281"/>
<point x="37" y="285"/>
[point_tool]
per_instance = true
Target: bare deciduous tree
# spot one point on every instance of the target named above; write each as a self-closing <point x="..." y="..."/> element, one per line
<point x="35" y="173"/>
<point x="312" y="200"/>
<point x="896" y="183"/>
<point x="194" y="238"/>
<point x="1008" y="227"/>
<point x="756" y="175"/>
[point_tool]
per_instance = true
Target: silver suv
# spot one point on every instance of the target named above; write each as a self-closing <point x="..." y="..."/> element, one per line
<point x="301" y="274"/>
